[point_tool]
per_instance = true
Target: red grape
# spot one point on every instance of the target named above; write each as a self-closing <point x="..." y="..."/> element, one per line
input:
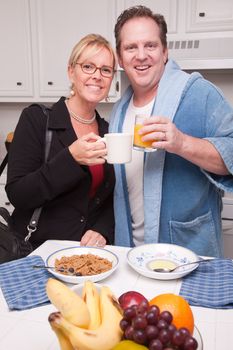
<point x="139" y="336"/>
<point x="164" y="336"/>
<point x="124" y="324"/>
<point x="190" y="344"/>
<point x="129" y="313"/>
<point x="129" y="333"/>
<point x="162" y="324"/>
<point x="139" y="322"/>
<point x="151" y="332"/>
<point x="155" y="344"/>
<point x="166" y="316"/>
<point x="152" y="318"/>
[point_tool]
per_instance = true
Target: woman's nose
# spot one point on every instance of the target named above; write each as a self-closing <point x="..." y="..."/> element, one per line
<point x="97" y="73"/>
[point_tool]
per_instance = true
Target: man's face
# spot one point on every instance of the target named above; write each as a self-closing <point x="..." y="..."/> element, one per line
<point x="142" y="55"/>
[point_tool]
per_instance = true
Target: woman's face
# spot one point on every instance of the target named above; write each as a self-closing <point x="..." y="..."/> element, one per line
<point x="92" y="87"/>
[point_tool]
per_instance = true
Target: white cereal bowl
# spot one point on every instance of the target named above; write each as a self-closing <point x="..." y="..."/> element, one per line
<point x="139" y="258"/>
<point x="78" y="250"/>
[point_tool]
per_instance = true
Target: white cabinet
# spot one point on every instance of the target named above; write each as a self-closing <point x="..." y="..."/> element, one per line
<point x="167" y="8"/>
<point x="43" y="32"/>
<point x="209" y="15"/>
<point x="60" y="25"/>
<point x="15" y="42"/>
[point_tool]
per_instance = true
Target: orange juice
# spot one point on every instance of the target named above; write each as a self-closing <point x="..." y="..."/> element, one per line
<point x="137" y="141"/>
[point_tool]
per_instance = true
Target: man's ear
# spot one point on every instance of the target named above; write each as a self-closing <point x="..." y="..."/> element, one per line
<point x="119" y="61"/>
<point x="165" y="55"/>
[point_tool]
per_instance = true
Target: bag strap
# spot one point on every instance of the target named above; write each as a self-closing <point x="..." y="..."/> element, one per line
<point x="32" y="226"/>
<point x="5" y="214"/>
<point x="3" y="164"/>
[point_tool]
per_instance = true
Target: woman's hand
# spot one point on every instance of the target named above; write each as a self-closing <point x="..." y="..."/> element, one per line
<point x="93" y="238"/>
<point x="86" y="151"/>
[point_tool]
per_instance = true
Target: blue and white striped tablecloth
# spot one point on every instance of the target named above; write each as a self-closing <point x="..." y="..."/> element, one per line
<point x="23" y="286"/>
<point x="210" y="285"/>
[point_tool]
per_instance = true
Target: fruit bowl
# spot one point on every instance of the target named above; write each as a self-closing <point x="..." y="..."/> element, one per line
<point x="78" y="288"/>
<point x="198" y="337"/>
<point x="78" y="250"/>
<point x="141" y="258"/>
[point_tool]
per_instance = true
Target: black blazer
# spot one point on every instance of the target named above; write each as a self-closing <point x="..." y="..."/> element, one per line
<point x="61" y="185"/>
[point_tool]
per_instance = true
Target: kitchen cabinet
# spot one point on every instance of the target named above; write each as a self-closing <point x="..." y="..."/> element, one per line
<point x="209" y="15"/>
<point x="190" y="15"/>
<point x="60" y="25"/>
<point x="167" y="8"/>
<point x="37" y="37"/>
<point x="16" y="52"/>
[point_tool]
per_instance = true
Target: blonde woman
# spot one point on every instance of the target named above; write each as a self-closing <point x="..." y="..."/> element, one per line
<point x="75" y="186"/>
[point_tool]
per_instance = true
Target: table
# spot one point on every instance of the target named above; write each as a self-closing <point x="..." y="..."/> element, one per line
<point x="30" y="330"/>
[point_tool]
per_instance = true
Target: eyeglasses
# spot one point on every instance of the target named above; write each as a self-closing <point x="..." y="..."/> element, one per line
<point x="91" y="68"/>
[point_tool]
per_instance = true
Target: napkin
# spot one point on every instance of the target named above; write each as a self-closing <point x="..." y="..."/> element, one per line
<point x="23" y="286"/>
<point x="210" y="285"/>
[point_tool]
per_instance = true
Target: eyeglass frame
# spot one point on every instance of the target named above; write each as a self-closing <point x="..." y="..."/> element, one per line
<point x="97" y="68"/>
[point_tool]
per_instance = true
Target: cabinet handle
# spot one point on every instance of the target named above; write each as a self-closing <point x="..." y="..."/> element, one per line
<point x="202" y="14"/>
<point x="50" y="83"/>
<point x="117" y="86"/>
<point x="19" y="83"/>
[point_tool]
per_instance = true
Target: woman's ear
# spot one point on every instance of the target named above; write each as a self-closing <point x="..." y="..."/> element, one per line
<point x="70" y="71"/>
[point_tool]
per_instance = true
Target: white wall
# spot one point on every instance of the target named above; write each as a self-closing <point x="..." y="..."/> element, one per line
<point x="10" y="112"/>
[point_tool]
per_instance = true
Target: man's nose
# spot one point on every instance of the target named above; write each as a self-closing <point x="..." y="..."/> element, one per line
<point x="141" y="53"/>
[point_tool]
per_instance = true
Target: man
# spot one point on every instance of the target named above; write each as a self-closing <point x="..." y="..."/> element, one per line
<point x="172" y="195"/>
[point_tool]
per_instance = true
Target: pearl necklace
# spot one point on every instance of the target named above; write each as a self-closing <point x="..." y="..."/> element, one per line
<point x="80" y="119"/>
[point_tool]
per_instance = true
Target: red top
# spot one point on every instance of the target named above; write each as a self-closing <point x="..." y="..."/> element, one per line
<point x="97" y="173"/>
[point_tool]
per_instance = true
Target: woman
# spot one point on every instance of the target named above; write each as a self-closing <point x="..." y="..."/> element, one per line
<point x="75" y="186"/>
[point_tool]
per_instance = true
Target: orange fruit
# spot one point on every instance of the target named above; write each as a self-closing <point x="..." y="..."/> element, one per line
<point x="178" y="307"/>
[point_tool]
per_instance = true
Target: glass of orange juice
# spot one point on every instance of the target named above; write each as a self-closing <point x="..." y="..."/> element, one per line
<point x="138" y="144"/>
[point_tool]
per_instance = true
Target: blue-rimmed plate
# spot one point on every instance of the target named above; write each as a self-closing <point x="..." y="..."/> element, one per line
<point x="143" y="258"/>
<point x="67" y="252"/>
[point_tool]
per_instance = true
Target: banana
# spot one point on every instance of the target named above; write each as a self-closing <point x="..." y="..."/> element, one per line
<point x="72" y="306"/>
<point x="91" y="297"/>
<point x="64" y="342"/>
<point x="105" y="337"/>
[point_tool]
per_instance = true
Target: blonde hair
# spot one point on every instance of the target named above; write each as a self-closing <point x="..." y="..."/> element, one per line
<point x="90" y="45"/>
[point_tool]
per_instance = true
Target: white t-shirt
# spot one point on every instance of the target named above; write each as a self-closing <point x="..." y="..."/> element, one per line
<point x="134" y="174"/>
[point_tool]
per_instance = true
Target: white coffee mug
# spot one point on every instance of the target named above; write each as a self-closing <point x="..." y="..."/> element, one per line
<point x="119" y="147"/>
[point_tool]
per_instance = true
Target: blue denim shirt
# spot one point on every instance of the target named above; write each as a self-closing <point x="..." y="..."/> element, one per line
<point x="190" y="203"/>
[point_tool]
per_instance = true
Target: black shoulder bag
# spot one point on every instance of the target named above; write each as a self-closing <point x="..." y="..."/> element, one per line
<point x="12" y="246"/>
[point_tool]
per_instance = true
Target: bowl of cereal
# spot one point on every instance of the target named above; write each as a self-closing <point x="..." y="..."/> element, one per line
<point x="77" y="264"/>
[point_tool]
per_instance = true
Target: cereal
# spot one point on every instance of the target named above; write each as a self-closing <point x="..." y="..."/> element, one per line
<point x="82" y="265"/>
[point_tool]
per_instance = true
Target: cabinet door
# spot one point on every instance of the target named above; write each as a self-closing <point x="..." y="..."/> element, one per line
<point x="167" y="8"/>
<point x="209" y="15"/>
<point x="15" y="58"/>
<point x="60" y="25"/>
